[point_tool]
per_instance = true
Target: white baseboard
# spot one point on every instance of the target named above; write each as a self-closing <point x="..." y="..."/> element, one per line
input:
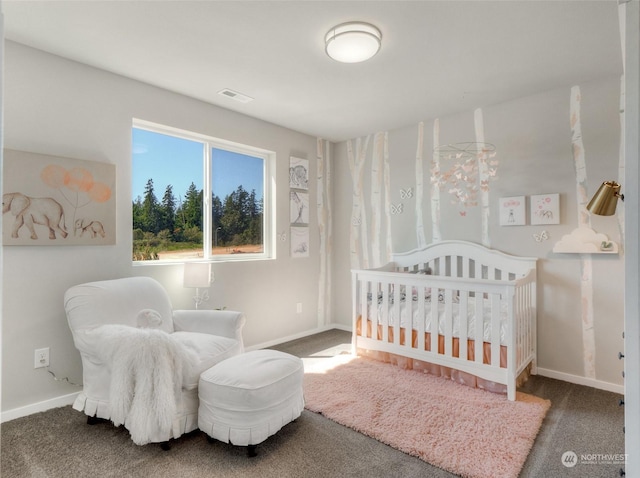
<point x="43" y="406"/>
<point x="289" y="338"/>
<point x="578" y="380"/>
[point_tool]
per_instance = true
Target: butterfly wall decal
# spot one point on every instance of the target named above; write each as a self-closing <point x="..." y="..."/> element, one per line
<point x="397" y="209"/>
<point x="406" y="193"/>
<point x="543" y="236"/>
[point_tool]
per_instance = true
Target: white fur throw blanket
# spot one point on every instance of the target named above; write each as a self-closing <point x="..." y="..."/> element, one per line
<point x="147" y="366"/>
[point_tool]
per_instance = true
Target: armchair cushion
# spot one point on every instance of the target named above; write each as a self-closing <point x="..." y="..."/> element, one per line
<point x="206" y="351"/>
<point x="227" y="323"/>
<point x="119" y="301"/>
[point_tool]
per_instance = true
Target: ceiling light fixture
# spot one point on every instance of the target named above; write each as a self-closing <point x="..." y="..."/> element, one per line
<point x="352" y="42"/>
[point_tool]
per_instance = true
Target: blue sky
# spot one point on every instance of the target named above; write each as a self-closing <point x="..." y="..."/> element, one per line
<point x="176" y="161"/>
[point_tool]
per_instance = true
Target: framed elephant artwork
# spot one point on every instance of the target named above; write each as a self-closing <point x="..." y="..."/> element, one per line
<point x="49" y="200"/>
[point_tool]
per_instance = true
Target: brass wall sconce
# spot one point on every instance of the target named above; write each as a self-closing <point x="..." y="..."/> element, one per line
<point x="604" y="202"/>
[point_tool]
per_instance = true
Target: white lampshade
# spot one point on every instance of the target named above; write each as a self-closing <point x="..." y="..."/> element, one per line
<point x="352" y="42"/>
<point x="197" y="274"/>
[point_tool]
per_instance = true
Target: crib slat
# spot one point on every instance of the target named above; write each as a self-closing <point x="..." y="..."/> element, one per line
<point x="463" y="298"/>
<point x="495" y="330"/>
<point x="421" y="315"/>
<point x="410" y="325"/>
<point x="396" y="313"/>
<point x="448" y="322"/>
<point x="516" y="338"/>
<point x="479" y="329"/>
<point x="530" y="299"/>
<point x="433" y="328"/>
<point x="364" y="307"/>
<point x="384" y="318"/>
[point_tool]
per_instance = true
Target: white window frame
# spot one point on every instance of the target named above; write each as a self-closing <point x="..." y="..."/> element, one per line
<point x="268" y="206"/>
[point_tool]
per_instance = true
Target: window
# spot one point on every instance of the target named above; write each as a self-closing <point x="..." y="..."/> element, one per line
<point x="196" y="197"/>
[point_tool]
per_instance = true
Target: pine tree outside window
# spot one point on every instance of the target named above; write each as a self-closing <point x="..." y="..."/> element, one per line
<point x="198" y="198"/>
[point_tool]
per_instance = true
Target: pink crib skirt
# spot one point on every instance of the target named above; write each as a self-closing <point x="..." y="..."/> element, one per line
<point x="439" y="370"/>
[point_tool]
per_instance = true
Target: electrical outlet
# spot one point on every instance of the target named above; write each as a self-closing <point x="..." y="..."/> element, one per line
<point x="41" y="358"/>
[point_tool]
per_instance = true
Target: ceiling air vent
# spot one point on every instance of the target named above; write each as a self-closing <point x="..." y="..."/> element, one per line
<point x="235" y="95"/>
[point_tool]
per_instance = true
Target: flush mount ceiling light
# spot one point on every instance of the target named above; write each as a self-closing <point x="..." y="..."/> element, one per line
<point x="352" y="42"/>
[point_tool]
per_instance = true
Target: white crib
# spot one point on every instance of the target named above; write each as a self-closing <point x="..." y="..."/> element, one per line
<point x="426" y="306"/>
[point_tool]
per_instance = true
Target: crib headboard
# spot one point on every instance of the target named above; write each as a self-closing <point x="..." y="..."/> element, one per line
<point x="464" y="259"/>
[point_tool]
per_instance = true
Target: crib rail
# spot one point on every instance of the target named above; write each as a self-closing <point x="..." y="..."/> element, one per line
<point x="464" y="259"/>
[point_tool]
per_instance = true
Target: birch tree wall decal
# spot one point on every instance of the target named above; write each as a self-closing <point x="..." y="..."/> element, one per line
<point x="324" y="229"/>
<point x="586" y="280"/>
<point x="421" y="239"/>
<point x="377" y="177"/>
<point x="621" y="163"/>
<point x="359" y="245"/>
<point x="387" y="198"/>
<point x="483" y="177"/>
<point x="436" y="235"/>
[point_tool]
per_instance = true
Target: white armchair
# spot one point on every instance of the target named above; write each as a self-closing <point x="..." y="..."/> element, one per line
<point x="116" y="324"/>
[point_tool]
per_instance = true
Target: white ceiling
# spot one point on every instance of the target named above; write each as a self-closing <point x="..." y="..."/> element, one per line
<point x="437" y="57"/>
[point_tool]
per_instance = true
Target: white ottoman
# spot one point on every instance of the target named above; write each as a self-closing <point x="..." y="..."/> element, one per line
<point x="249" y="397"/>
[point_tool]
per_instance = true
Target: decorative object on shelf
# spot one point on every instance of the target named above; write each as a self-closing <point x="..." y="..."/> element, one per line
<point x="512" y="211"/>
<point x="198" y="275"/>
<point x="353" y="42"/>
<point x="545" y="209"/>
<point x="606" y="246"/>
<point x="543" y="236"/>
<point x="605" y="200"/>
<point x="584" y="240"/>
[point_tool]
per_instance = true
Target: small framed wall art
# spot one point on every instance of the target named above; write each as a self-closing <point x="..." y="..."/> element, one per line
<point x="545" y="209"/>
<point x="299" y="206"/>
<point x="512" y="211"/>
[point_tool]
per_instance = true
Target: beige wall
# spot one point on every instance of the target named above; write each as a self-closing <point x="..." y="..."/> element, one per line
<point x="58" y="107"/>
<point x="534" y="149"/>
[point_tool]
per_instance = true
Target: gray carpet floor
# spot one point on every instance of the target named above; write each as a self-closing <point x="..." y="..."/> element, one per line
<point x="59" y="443"/>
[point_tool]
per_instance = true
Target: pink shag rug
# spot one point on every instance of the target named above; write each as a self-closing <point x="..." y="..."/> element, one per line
<point x="470" y="432"/>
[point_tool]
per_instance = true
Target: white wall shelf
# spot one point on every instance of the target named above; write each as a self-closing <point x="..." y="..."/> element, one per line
<point x="584" y="240"/>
